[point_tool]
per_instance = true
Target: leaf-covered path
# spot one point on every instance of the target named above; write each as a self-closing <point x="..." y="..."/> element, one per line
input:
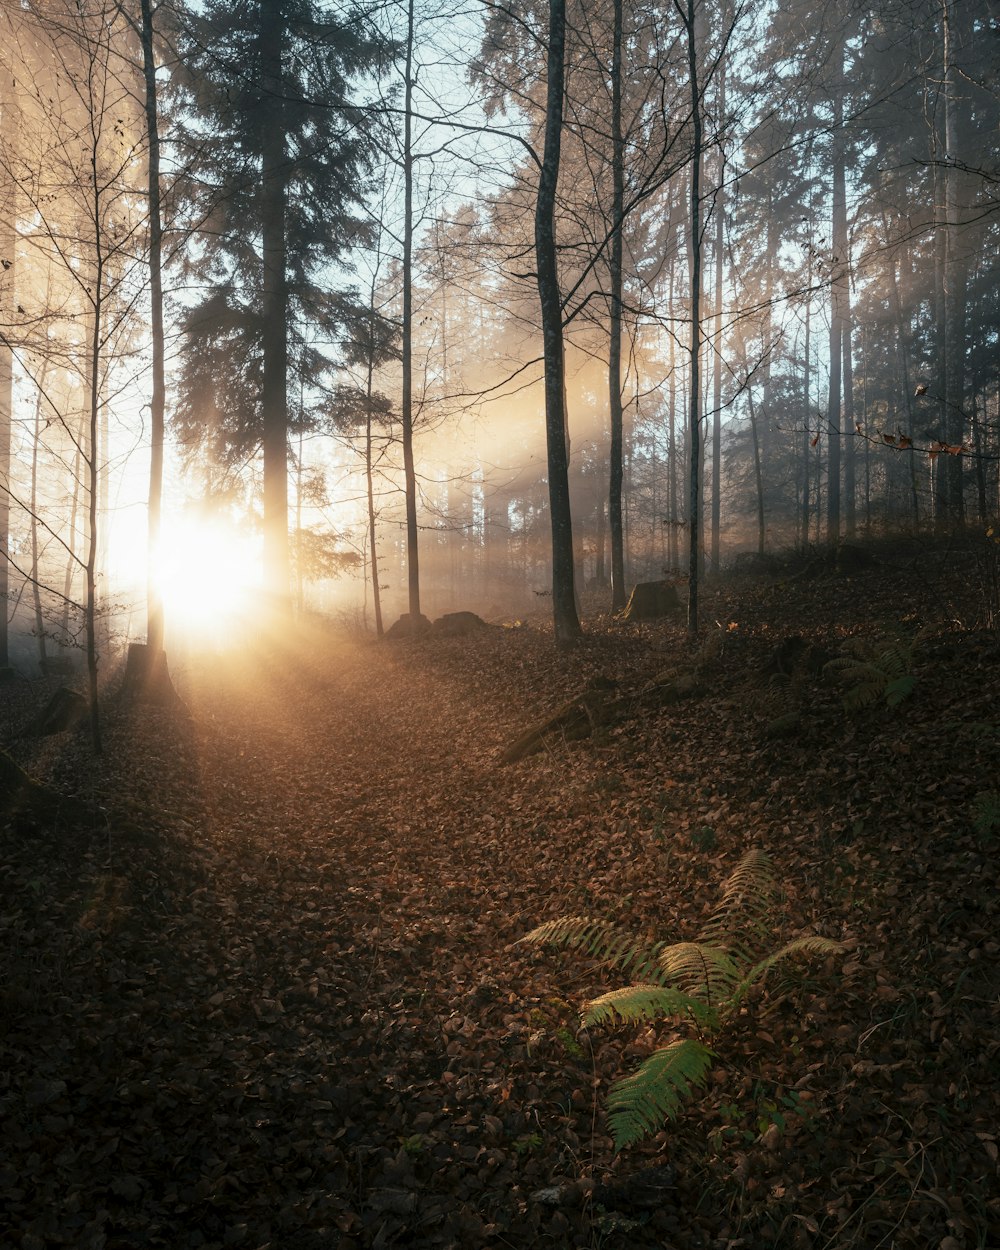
<point x="274" y="1004"/>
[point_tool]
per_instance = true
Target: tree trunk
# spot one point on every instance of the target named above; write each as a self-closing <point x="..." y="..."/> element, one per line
<point x="565" y="620"/>
<point x="618" y="595"/>
<point x="36" y="589"/>
<point x="409" y="471"/>
<point x="957" y="125"/>
<point x="8" y="254"/>
<point x="369" y="484"/>
<point x="720" y="238"/>
<point x="92" y="469"/>
<point x="806" y="412"/>
<point x="694" y="510"/>
<point x="837" y="289"/>
<point x="154" y="602"/>
<point x="850" y="430"/>
<point x="274" y="308"/>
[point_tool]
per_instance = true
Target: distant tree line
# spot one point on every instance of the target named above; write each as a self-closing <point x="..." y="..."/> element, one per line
<point x="628" y="288"/>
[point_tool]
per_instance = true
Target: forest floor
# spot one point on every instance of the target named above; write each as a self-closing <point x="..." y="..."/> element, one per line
<point x="272" y="1002"/>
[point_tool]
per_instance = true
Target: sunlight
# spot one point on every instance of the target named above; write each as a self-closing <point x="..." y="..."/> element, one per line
<point x="208" y="572"/>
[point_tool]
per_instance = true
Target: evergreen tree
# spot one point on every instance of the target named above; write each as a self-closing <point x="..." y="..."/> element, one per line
<point x="281" y="155"/>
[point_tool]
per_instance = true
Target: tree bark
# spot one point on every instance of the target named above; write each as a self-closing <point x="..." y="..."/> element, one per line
<point x="957" y="123"/>
<point x="618" y="595"/>
<point x="565" y="620"/>
<point x="154" y="602"/>
<point x="839" y="262"/>
<point x="8" y="254"/>
<point x="274" y="307"/>
<point x="720" y="237"/>
<point x="409" y="470"/>
<point x="694" y="511"/>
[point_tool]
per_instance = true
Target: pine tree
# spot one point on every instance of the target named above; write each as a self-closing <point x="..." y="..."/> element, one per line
<point x="282" y="157"/>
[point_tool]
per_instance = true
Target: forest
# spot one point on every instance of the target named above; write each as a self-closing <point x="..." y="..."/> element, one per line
<point x="500" y="559"/>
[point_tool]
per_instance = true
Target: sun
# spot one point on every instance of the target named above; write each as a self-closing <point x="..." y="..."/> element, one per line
<point x="208" y="573"/>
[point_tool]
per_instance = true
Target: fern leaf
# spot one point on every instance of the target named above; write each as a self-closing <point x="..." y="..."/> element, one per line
<point x="810" y="945"/>
<point x="639" y="1104"/>
<point x="699" y="970"/>
<point x="600" y="940"/>
<point x="900" y="689"/>
<point x="747" y="896"/>
<point x="647" y="1002"/>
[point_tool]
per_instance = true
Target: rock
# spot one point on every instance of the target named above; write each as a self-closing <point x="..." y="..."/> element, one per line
<point x="650" y="600"/>
<point x="458" y="625"/>
<point x="642" y="1191"/>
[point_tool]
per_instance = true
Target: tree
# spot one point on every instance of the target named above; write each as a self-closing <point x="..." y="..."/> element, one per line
<point x="565" y="619"/>
<point x="281" y="150"/>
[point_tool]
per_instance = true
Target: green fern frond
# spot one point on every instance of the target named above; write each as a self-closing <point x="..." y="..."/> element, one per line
<point x="638" y="1104"/>
<point x="699" y="970"/>
<point x="601" y="941"/>
<point x="895" y="660"/>
<point x="813" y="944"/>
<point x="747" y="897"/>
<point x="879" y="674"/>
<point x="648" y="1002"/>
<point x="899" y="689"/>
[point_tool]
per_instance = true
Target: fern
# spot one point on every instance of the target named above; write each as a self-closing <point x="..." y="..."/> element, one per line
<point x="877" y="674"/>
<point x="703" y="983"/>
<point x="648" y="1002"/>
<point x="639" y="1104"/>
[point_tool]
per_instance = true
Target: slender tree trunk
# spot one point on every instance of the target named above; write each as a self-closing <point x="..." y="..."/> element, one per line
<point x="694" y="409"/>
<point x="92" y="466"/>
<point x="850" y="432"/>
<point x="73" y="561"/>
<point x="7" y="247"/>
<point x="300" y="580"/>
<point x="601" y="542"/>
<point x="36" y="589"/>
<point x="673" y="519"/>
<point x="806" y="413"/>
<point x="839" y="261"/>
<point x="957" y="124"/>
<point x="720" y="240"/>
<point x="618" y="593"/>
<point x="154" y="602"/>
<point x="906" y="386"/>
<point x="274" y="307"/>
<point x="8" y="255"/>
<point x="409" y="470"/>
<point x="369" y="471"/>
<point x="565" y="620"/>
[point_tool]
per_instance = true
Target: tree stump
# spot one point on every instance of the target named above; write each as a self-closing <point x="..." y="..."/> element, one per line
<point x="408" y="627"/>
<point x="63" y="711"/>
<point x="852" y="559"/>
<point x="651" y="600"/>
<point x="147" y="677"/>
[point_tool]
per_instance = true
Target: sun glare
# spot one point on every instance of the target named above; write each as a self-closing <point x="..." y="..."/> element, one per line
<point x="207" y="573"/>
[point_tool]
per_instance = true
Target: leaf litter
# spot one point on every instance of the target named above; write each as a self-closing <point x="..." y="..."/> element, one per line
<point x="273" y="1002"/>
